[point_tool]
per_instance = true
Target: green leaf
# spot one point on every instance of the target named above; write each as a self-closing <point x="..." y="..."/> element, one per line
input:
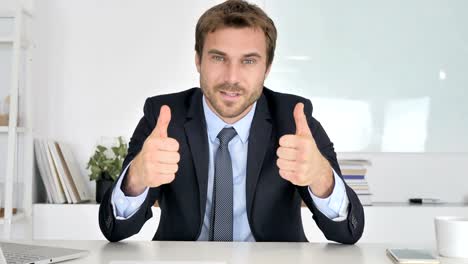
<point x="115" y="150"/>
<point x="101" y="148"/>
<point x="103" y="167"/>
<point x="107" y="162"/>
<point x="95" y="169"/>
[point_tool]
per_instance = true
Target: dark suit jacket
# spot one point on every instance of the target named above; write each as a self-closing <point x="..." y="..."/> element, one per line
<point x="273" y="204"/>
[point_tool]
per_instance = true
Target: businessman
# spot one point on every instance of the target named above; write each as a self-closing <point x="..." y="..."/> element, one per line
<point x="231" y="160"/>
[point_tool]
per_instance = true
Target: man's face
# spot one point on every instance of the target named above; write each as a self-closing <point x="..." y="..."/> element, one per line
<point x="232" y="70"/>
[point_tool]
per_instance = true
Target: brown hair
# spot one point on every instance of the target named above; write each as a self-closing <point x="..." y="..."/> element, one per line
<point x="237" y="14"/>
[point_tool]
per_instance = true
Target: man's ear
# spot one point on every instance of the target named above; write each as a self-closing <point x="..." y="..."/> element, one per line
<point x="197" y="61"/>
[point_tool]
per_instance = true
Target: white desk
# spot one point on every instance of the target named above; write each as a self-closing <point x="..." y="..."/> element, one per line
<point x="103" y="252"/>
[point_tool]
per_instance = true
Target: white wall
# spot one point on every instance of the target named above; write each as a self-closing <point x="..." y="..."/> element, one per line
<point x="384" y="76"/>
<point x="97" y="61"/>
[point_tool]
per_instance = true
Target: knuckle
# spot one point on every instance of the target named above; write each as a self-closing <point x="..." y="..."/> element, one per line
<point x="161" y="178"/>
<point x="292" y="175"/>
<point x="283" y="140"/>
<point x="172" y="143"/>
<point x="282" y="173"/>
<point x="278" y="162"/>
<point x="170" y="177"/>
<point x="176" y="145"/>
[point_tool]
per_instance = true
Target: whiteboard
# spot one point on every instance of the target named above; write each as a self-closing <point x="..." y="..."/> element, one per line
<point x="383" y="76"/>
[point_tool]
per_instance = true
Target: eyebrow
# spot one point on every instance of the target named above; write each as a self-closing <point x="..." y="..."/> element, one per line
<point x="215" y="51"/>
<point x="253" y="54"/>
<point x="218" y="52"/>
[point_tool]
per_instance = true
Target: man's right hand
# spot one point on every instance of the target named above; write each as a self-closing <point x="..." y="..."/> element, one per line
<point x="157" y="162"/>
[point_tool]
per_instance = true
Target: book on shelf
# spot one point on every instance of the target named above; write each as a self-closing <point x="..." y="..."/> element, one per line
<point x="42" y="172"/>
<point x="354" y="172"/>
<point x="346" y="171"/>
<point x="358" y="162"/>
<point x="353" y="177"/>
<point x="51" y="172"/>
<point x="73" y="170"/>
<point x="356" y="182"/>
<point x="59" y="172"/>
<point x="67" y="181"/>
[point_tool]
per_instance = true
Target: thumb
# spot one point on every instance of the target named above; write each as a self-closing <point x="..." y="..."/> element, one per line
<point x="163" y="122"/>
<point x="302" y="127"/>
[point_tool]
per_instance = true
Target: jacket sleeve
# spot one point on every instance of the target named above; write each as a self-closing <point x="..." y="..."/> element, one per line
<point x="350" y="230"/>
<point x="112" y="228"/>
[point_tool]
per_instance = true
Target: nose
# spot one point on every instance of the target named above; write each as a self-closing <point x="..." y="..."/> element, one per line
<point x="232" y="73"/>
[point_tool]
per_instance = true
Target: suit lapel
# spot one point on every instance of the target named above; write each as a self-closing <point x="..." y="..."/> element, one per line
<point x="259" y="141"/>
<point x="195" y="129"/>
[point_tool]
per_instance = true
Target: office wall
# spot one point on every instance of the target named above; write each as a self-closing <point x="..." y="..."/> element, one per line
<point x="384" y="76"/>
<point x="97" y="61"/>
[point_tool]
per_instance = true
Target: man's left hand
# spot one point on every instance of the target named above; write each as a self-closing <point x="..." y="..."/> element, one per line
<point x="300" y="161"/>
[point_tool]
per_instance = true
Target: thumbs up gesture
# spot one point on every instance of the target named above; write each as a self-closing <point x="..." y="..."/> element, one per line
<point x="299" y="160"/>
<point x="157" y="162"/>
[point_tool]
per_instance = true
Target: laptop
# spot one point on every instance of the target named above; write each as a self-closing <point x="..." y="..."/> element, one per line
<point x="22" y="253"/>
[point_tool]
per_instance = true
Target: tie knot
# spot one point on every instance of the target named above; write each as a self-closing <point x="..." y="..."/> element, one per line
<point x="226" y="135"/>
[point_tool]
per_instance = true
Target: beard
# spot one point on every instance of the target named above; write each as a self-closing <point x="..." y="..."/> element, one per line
<point x="230" y="109"/>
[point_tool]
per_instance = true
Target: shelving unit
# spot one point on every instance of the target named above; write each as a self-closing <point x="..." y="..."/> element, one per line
<point x="17" y="177"/>
<point x="4" y="129"/>
<point x="19" y="215"/>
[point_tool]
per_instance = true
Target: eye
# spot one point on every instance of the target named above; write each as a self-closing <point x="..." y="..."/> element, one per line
<point x="249" y="61"/>
<point x="218" y="58"/>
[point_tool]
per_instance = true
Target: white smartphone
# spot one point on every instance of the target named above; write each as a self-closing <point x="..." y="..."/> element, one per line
<point x="406" y="255"/>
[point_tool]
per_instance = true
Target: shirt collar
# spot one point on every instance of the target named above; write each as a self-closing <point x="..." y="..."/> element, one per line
<point x="215" y="124"/>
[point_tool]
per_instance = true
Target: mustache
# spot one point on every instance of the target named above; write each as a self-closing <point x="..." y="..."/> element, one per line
<point x="229" y="87"/>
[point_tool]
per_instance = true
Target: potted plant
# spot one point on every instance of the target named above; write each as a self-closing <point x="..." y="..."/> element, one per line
<point x="105" y="166"/>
